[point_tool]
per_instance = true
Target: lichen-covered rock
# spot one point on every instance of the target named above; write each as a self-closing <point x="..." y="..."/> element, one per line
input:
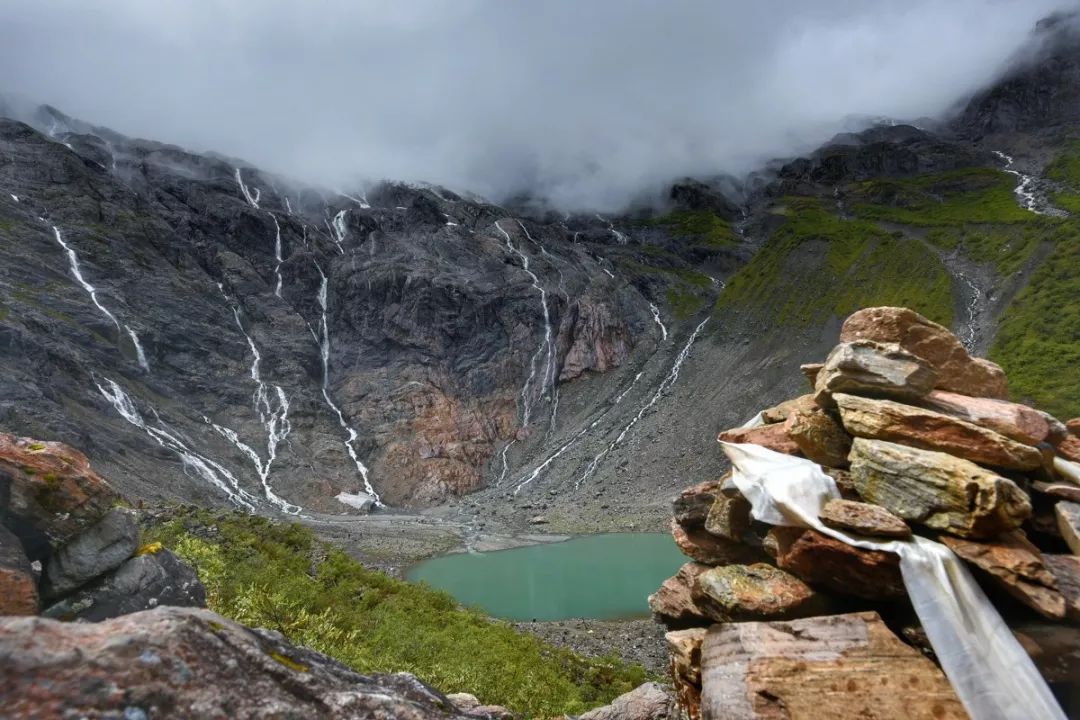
<point x="930" y="430"/>
<point x="936" y="489"/>
<point x="95" y="550"/>
<point x="48" y="492"/>
<point x="754" y="592"/>
<point x="684" y="648"/>
<point x="18" y="587"/>
<point x="820" y="438"/>
<point x="955" y="369"/>
<point x="146" y="581"/>
<point x="838" y="567"/>
<point x="180" y="663"/>
<point x="1013" y="420"/>
<point x="875" y="370"/>
<point x="841" y="666"/>
<point x="773" y="436"/>
<point x="650" y="701"/>
<point x="729" y="517"/>
<point x="863" y="519"/>
<point x="1017" y="566"/>
<point x="673" y="603"/>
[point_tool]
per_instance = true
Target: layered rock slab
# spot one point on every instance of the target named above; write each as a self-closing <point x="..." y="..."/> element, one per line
<point x="841" y="666"/>
<point x="18" y="587"/>
<point x="873" y="369"/>
<point x="188" y="663"/>
<point x="754" y="592"/>
<point x="937" y="490"/>
<point x="929" y="430"/>
<point x="863" y="519"/>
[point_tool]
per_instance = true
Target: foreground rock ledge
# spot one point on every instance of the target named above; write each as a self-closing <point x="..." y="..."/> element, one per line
<point x="189" y="663"/>
<point x="842" y="666"/>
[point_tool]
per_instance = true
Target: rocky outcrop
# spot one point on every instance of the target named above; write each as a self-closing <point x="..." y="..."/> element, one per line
<point x="844" y="666"/>
<point x="18" y="586"/>
<point x="937" y="490"/>
<point x="1013" y="420"/>
<point x="955" y="370"/>
<point x="873" y="369"/>
<point x="674" y="604"/>
<point x="185" y="663"/>
<point x="96" y="550"/>
<point x="819" y="436"/>
<point x="735" y="592"/>
<point x="650" y="701"/>
<point x="826" y="563"/>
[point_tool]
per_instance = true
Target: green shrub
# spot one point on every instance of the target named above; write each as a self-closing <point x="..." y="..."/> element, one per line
<point x="712" y="230"/>
<point x="281" y="577"/>
<point x="959" y="197"/>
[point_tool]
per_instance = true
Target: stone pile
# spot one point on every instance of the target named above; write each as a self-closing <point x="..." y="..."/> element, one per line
<point x="770" y="622"/>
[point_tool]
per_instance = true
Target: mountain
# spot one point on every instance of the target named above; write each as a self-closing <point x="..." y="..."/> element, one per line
<point x="210" y="332"/>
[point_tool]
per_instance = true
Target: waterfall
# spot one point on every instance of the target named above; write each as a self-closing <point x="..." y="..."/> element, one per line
<point x="620" y="238"/>
<point x="656" y="316"/>
<point x="338" y="230"/>
<point x="324" y="347"/>
<point x="139" y="353"/>
<point x="253" y="200"/>
<point x="205" y="468"/>
<point x="665" y="384"/>
<point x="73" y="262"/>
<point x="277" y="253"/>
<point x="1025" y="195"/>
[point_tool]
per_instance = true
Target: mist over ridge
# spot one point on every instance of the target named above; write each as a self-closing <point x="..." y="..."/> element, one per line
<point x="587" y="105"/>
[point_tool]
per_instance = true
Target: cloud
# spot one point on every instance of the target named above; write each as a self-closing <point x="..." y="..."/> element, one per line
<point x="586" y="103"/>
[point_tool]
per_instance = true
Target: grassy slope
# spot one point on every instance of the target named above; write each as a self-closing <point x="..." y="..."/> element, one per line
<point x="281" y="577"/>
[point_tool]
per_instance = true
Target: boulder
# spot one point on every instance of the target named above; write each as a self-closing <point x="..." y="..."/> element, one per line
<point x="834" y="565"/>
<point x="703" y="546"/>
<point x="650" y="701"/>
<point x="144" y="582"/>
<point x="930" y="430"/>
<point x="673" y="604"/>
<point x="754" y="592"/>
<point x="862" y="518"/>
<point x="684" y="648"/>
<point x="936" y="489"/>
<point x="190" y="663"/>
<point x="18" y="586"/>
<point x="1015" y="565"/>
<point x="1066" y="570"/>
<point x="48" y="492"/>
<point x="1013" y="420"/>
<point x="780" y="413"/>
<point x="875" y="370"/>
<point x="819" y="437"/>
<point x="773" y="436"/>
<point x="841" y="666"/>
<point x="729" y="517"/>
<point x="1068" y="522"/>
<point x="955" y="369"/>
<point x="692" y="505"/>
<point x="95" y="550"/>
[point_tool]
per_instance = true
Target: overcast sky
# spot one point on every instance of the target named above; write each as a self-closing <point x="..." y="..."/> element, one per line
<point x="586" y="102"/>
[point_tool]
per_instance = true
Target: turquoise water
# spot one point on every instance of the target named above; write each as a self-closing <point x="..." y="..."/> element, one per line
<point x="595" y="576"/>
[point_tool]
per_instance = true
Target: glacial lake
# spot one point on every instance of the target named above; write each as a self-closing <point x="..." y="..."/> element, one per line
<point x="601" y="577"/>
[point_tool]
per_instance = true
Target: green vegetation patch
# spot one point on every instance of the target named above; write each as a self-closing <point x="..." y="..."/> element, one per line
<point x="281" y="577"/>
<point x="710" y="229"/>
<point x="818" y="265"/>
<point x="959" y="197"/>
<point x="1065" y="168"/>
<point x="1038" y="344"/>
<point x="1005" y="247"/>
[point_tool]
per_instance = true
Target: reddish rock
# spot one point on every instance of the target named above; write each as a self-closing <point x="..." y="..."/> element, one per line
<point x="840" y="568"/>
<point x="179" y="663"/>
<point x="672" y="603"/>
<point x="729" y="517"/>
<point x="820" y="438"/>
<point x="1061" y="491"/>
<point x="1069" y="448"/>
<point x="18" y="588"/>
<point x="780" y="413"/>
<point x="773" y="436"/>
<point x="1016" y="566"/>
<point x="684" y="648"/>
<point x="754" y="592"/>
<point x="1066" y="570"/>
<point x="700" y="545"/>
<point x="1013" y="420"/>
<point x="692" y="505"/>
<point x="875" y="370"/>
<point x="844" y="482"/>
<point x="929" y="430"/>
<point x="1073" y="426"/>
<point x="841" y="666"/>
<point x="599" y="339"/>
<point x="956" y="370"/>
<point x="863" y="519"/>
<point x="48" y="492"/>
